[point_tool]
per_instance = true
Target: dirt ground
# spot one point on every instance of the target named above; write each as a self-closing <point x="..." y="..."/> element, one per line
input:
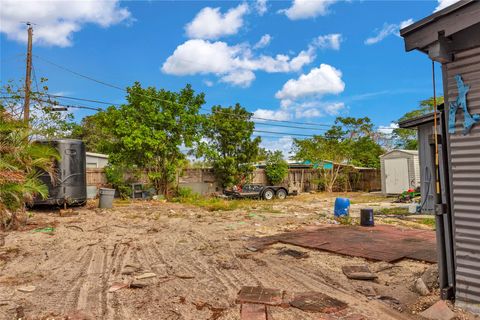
<point x="198" y="259"/>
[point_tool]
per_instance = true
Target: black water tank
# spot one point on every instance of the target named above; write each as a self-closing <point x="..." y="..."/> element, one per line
<point x="70" y="185"/>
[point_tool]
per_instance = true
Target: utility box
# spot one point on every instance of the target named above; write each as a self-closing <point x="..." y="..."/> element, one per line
<point x="400" y="170"/>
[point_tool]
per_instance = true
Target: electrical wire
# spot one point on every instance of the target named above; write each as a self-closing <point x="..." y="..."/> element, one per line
<point x="162" y="100"/>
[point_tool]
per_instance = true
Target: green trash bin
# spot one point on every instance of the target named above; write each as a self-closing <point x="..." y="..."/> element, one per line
<point x="106" y="198"/>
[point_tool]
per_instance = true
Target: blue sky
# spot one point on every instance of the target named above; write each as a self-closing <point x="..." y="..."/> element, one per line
<point x="317" y="60"/>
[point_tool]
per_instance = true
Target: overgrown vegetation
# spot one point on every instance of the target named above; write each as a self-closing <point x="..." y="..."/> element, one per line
<point x="21" y="166"/>
<point x="44" y="122"/>
<point x="186" y="195"/>
<point x="148" y="131"/>
<point x="349" y="142"/>
<point x="229" y="145"/>
<point x="276" y="168"/>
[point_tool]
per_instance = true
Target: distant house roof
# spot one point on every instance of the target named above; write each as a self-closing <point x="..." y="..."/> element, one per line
<point x="97" y="155"/>
<point x="414" y="152"/>
<point x="417" y="121"/>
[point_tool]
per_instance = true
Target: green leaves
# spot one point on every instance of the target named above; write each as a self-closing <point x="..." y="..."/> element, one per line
<point x="148" y="131"/>
<point x="276" y="167"/>
<point x="228" y="143"/>
<point x="407" y="138"/>
<point x="21" y="164"/>
<point x="349" y="142"/>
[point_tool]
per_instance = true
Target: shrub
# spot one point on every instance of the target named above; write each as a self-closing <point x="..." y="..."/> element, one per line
<point x="276" y="168"/>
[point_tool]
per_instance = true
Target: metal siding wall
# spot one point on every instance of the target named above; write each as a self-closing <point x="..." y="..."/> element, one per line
<point x="465" y="173"/>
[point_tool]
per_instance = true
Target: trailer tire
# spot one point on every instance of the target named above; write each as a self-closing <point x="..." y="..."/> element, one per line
<point x="281" y="194"/>
<point x="268" y="194"/>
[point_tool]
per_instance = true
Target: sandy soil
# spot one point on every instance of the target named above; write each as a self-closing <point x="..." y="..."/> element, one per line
<point x="199" y="260"/>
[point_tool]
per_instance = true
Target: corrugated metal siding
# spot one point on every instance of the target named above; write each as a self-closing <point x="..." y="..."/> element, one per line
<point x="465" y="175"/>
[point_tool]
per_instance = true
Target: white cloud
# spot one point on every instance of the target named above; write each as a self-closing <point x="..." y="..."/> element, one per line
<point x="319" y="81"/>
<point x="388" y="129"/>
<point x="233" y="64"/>
<point x="406" y="23"/>
<point x="334" y="109"/>
<point x="241" y="78"/>
<point x="56" y="20"/>
<point x="263" y="42"/>
<point x="305" y="9"/>
<point x="444" y="3"/>
<point x="210" y="23"/>
<point x="208" y="83"/>
<point x="272" y="114"/>
<point x="313" y="109"/>
<point x="261" y="7"/>
<point x="387" y="30"/>
<point x="329" y="41"/>
<point x="283" y="143"/>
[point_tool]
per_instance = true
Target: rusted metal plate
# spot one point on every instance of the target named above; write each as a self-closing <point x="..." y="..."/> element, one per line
<point x="260" y="295"/>
<point x="317" y="302"/>
<point x="381" y="243"/>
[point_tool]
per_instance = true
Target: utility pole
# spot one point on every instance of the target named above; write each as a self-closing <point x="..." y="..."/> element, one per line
<point x="26" y="106"/>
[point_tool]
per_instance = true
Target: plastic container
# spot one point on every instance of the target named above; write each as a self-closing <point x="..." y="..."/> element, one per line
<point x="366" y="217"/>
<point x="106" y="198"/>
<point x="342" y="207"/>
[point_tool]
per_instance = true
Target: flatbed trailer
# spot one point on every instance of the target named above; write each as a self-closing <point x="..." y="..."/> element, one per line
<point x="259" y="191"/>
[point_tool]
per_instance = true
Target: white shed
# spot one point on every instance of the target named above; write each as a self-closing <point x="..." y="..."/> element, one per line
<point x="400" y="171"/>
<point x="96" y="160"/>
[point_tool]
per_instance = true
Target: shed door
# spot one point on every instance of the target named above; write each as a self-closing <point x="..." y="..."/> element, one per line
<point x="396" y="175"/>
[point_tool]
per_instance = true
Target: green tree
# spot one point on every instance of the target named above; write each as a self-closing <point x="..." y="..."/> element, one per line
<point x="45" y="122"/>
<point x="348" y="142"/>
<point x="276" y="168"/>
<point x="95" y="132"/>
<point x="149" y="131"/>
<point x="21" y="164"/>
<point x="407" y="138"/>
<point x="228" y="144"/>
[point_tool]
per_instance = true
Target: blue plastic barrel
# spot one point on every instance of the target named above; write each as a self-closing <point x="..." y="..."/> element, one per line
<point x="342" y="207"/>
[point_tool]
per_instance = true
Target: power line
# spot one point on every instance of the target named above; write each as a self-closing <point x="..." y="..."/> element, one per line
<point x="167" y="101"/>
<point x="253" y="117"/>
<point x="285" y="134"/>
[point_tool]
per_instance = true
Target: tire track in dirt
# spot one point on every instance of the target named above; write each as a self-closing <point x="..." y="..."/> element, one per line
<point x="89" y="294"/>
<point x="114" y="260"/>
<point x="77" y="281"/>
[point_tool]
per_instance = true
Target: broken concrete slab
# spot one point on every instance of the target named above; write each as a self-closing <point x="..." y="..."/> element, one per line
<point x="317" y="302"/>
<point x="293" y="253"/>
<point x="421" y="288"/>
<point x="358" y="272"/>
<point x="260" y="295"/>
<point x="430" y="277"/>
<point x="253" y="312"/>
<point x="438" y="311"/>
